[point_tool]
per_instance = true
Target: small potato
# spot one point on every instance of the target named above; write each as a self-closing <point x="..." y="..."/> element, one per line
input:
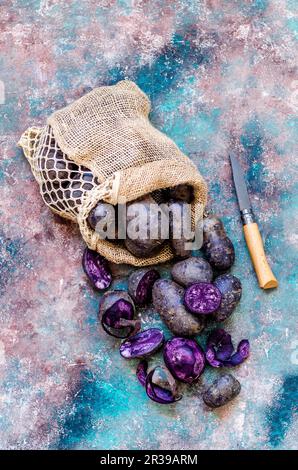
<point x="143" y="248"/>
<point x="231" y="291"/>
<point x="167" y="299"/>
<point x="83" y="181"/>
<point x="97" y="214"/>
<point x="140" y="284"/>
<point x="103" y="219"/>
<point x="57" y="169"/>
<point x="192" y="270"/>
<point x="182" y="192"/>
<point x="116" y="314"/>
<point x="222" y="390"/>
<point x="112" y="297"/>
<point x="144" y="227"/>
<point x="180" y="228"/>
<point x="218" y="248"/>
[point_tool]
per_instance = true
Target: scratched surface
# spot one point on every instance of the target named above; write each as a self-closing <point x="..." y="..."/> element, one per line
<point x="219" y="73"/>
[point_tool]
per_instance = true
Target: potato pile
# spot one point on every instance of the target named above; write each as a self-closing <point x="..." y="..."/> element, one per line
<point x="155" y="218"/>
<point x="200" y="292"/>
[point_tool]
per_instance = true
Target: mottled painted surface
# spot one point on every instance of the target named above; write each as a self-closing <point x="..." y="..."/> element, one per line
<point x="218" y="72"/>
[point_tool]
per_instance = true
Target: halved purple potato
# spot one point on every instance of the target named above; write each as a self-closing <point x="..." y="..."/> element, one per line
<point x="161" y="386"/>
<point x="159" y="383"/>
<point x="220" y="350"/>
<point x="97" y="269"/>
<point x="222" y="390"/>
<point x="140" y="284"/>
<point x="184" y="358"/>
<point x="167" y="299"/>
<point x="242" y="353"/>
<point x="116" y="313"/>
<point x="202" y="298"/>
<point x="231" y="291"/>
<point x="218" y="248"/>
<point x="192" y="270"/>
<point x="142" y="344"/>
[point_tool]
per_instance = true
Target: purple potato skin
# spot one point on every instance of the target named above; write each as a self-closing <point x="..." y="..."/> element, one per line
<point x="142" y="249"/>
<point x="159" y="392"/>
<point x="224" y="389"/>
<point x="143" y="344"/>
<point x="56" y="165"/>
<point x="218" y="248"/>
<point x="192" y="270"/>
<point x="147" y="246"/>
<point x="178" y="244"/>
<point x="97" y="269"/>
<point x="156" y="391"/>
<point x="99" y="213"/>
<point x="167" y="299"/>
<point x="140" y="284"/>
<point x="141" y="372"/>
<point x="202" y="298"/>
<point x="185" y="359"/>
<point x="182" y="192"/>
<point x="109" y="298"/>
<point x="231" y="291"/>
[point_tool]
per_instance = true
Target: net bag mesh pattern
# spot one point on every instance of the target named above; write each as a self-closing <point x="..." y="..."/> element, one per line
<point x="103" y="147"/>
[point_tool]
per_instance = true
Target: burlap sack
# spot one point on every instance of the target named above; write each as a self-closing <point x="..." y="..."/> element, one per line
<point x="103" y="147"/>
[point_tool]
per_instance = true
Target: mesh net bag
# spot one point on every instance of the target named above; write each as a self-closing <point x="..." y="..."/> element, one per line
<point x="103" y="147"/>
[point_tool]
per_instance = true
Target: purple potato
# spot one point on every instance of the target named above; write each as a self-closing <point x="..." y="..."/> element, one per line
<point x="218" y="248"/>
<point x="231" y="291"/>
<point x="202" y="298"/>
<point x="97" y="269"/>
<point x="82" y="181"/>
<point x="159" y="383"/>
<point x="180" y="228"/>
<point x="220" y="350"/>
<point x="50" y="161"/>
<point x="144" y="219"/>
<point x="143" y="344"/>
<point x="161" y="386"/>
<point x="103" y="217"/>
<point x="116" y="313"/>
<point x="185" y="359"/>
<point x="167" y="299"/>
<point x="224" y="389"/>
<point x="140" y="284"/>
<point x="182" y="192"/>
<point x="141" y="372"/>
<point x="61" y="168"/>
<point x="57" y="168"/>
<point x="97" y="214"/>
<point x="242" y="353"/>
<point x="85" y="176"/>
<point x="144" y="248"/>
<point x="192" y="270"/>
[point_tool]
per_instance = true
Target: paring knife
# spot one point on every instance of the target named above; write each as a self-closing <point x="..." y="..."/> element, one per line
<point x="252" y="234"/>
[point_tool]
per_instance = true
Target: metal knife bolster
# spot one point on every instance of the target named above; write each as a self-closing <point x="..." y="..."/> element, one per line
<point x="247" y="216"/>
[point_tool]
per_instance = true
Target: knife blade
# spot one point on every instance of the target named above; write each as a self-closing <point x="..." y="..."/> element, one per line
<point x="240" y="185"/>
<point x="252" y="234"/>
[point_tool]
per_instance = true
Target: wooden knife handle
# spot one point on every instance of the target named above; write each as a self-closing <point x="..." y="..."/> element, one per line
<point x="255" y="246"/>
